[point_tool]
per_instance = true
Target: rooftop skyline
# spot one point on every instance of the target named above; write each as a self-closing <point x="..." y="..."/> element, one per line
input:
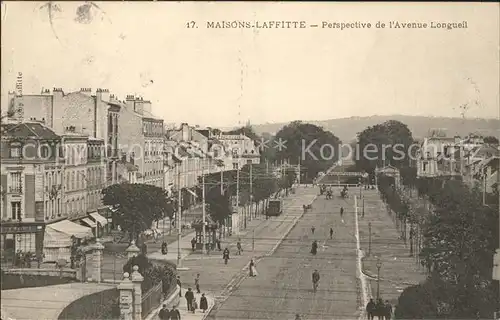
<point x="225" y="77"/>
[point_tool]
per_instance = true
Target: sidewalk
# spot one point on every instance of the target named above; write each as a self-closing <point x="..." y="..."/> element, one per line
<point x="182" y="307"/>
<point x="398" y="269"/>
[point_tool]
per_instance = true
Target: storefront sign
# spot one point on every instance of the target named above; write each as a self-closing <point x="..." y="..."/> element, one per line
<point x="19" y="229"/>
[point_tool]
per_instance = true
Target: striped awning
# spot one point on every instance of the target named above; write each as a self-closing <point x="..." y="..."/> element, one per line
<point x="89" y="222"/>
<point x="98" y="218"/>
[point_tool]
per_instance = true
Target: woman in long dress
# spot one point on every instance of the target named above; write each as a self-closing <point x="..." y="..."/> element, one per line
<point x="252" y="269"/>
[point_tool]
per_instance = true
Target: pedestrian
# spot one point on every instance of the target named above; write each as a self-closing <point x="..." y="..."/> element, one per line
<point x="252" y="268"/>
<point x="180" y="285"/>
<point x="312" y="229"/>
<point x="331" y="233"/>
<point x="193" y="243"/>
<point x="225" y="255"/>
<point x="164" y="313"/>
<point x="388" y="310"/>
<point x="238" y="245"/>
<point x="197" y="283"/>
<point x="175" y="314"/>
<point x="164" y="248"/>
<point x="341" y="212"/>
<point x="189" y="299"/>
<point x="370" y="309"/>
<point x="218" y="244"/>
<point x="203" y="303"/>
<point x="194" y="305"/>
<point x="380" y="309"/>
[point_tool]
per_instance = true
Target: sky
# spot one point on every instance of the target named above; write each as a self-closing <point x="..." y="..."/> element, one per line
<point x="226" y="77"/>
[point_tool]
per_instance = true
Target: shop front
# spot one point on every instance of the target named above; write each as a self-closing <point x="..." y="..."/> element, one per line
<point x="101" y="224"/>
<point x="22" y="237"/>
<point x="59" y="238"/>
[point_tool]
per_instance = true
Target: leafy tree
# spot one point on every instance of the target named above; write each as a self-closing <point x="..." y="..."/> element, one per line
<point x="137" y="206"/>
<point x="460" y="237"/>
<point x="390" y="140"/>
<point x="491" y="140"/>
<point x="316" y="148"/>
<point x="247" y="130"/>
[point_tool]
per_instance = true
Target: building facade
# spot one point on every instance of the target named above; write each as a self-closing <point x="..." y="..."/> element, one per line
<point x="31" y="180"/>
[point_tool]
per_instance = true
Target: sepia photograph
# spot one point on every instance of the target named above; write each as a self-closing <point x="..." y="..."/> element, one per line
<point x="202" y="160"/>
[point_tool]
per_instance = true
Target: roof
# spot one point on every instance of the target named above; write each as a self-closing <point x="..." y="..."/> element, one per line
<point x="29" y="130"/>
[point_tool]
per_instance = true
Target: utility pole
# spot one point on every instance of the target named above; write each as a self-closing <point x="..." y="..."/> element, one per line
<point x="484" y="188"/>
<point x="251" y="192"/>
<point x="298" y="180"/>
<point x="238" y="193"/>
<point x="179" y="230"/>
<point x="221" y="182"/>
<point x="369" y="238"/>
<point x="203" y="212"/>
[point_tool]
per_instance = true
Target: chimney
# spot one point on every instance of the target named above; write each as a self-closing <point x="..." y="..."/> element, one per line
<point x="102" y="94"/>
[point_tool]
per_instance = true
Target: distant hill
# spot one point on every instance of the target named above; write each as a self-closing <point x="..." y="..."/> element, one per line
<point x="347" y="128"/>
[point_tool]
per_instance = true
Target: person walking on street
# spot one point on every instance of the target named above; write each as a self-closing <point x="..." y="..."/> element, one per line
<point x="315" y="280"/>
<point x="218" y="244"/>
<point x="331" y="233"/>
<point x="388" y="310"/>
<point x="175" y="314"/>
<point x="193" y="244"/>
<point x="341" y="212"/>
<point x="203" y="303"/>
<point x="312" y="229"/>
<point x="252" y="269"/>
<point x="197" y="283"/>
<point x="370" y="309"/>
<point x="189" y="299"/>
<point x="164" y="313"/>
<point x="238" y="246"/>
<point x="380" y="309"/>
<point x="164" y="248"/>
<point x="180" y="285"/>
<point x="225" y="255"/>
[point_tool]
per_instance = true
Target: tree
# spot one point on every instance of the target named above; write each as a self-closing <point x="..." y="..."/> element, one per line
<point x="491" y="140"/>
<point x="137" y="206"/>
<point x="316" y="148"/>
<point x="460" y="237"/>
<point x="386" y="143"/>
<point x="247" y="130"/>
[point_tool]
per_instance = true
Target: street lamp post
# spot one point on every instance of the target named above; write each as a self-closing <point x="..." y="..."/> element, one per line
<point x="379" y="265"/>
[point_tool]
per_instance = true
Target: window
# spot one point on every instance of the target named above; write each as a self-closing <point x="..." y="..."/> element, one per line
<point x="425" y="166"/>
<point x="15" y="150"/>
<point x="15" y="184"/>
<point x="73" y="186"/>
<point x="16" y="210"/>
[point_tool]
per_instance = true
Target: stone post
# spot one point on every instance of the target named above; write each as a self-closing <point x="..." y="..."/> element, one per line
<point x="132" y="250"/>
<point x="137" y="279"/>
<point x="97" y="261"/>
<point x="126" y="289"/>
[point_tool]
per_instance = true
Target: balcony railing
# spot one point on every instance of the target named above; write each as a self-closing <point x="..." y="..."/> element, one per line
<point x="15" y="189"/>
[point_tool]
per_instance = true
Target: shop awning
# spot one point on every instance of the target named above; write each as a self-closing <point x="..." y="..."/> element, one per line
<point x="89" y="222"/>
<point x="58" y="235"/>
<point x="71" y="229"/>
<point x="98" y="218"/>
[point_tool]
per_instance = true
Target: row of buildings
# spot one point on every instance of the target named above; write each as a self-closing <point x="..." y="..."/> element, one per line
<point x="471" y="158"/>
<point x="59" y="150"/>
